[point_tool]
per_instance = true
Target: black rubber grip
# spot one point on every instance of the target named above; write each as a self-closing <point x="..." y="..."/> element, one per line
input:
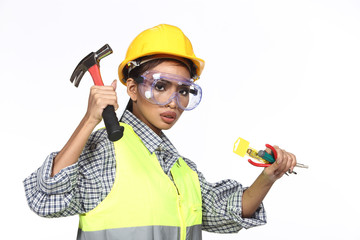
<point x="113" y="128"/>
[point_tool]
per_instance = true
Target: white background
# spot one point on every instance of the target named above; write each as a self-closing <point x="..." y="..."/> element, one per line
<point x="278" y="72"/>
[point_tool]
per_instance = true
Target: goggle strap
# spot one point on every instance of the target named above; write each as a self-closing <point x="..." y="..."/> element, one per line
<point x="193" y="91"/>
<point x="139" y="80"/>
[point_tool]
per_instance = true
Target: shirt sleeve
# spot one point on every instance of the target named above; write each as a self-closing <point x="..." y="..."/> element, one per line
<point x="77" y="188"/>
<point x="222" y="201"/>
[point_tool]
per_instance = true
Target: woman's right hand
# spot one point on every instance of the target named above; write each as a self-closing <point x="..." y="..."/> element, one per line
<point x="100" y="97"/>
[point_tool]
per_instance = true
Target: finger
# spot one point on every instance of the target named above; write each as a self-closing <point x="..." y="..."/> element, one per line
<point x="98" y="95"/>
<point x="283" y="161"/>
<point x="103" y="88"/>
<point x="277" y="166"/>
<point x="293" y="161"/>
<point x="289" y="161"/>
<point x="103" y="96"/>
<point x="114" y="84"/>
<point x="103" y="102"/>
<point x="268" y="150"/>
<point x="280" y="154"/>
<point x="102" y="92"/>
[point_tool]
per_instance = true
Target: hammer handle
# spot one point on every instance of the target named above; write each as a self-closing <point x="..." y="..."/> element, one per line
<point x="95" y="74"/>
<point x="113" y="128"/>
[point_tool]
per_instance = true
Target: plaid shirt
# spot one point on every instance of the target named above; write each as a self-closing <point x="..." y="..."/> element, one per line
<point x="82" y="186"/>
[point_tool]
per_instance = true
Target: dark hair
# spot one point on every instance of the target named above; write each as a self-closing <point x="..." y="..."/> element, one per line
<point x="138" y="71"/>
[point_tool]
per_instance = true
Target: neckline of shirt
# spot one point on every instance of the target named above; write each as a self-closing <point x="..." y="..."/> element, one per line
<point x="151" y="140"/>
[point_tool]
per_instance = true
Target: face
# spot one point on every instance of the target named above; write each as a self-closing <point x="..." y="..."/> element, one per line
<point x="157" y="117"/>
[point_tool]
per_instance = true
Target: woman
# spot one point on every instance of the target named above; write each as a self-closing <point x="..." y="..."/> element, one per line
<point x="140" y="187"/>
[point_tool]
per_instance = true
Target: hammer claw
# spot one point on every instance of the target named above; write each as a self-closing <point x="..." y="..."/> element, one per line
<point x="78" y="77"/>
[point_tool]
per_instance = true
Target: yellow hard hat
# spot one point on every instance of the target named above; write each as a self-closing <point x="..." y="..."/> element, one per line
<point x="160" y="40"/>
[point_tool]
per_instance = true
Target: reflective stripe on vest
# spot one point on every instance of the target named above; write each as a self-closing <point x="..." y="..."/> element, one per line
<point x="143" y="202"/>
<point x="142" y="233"/>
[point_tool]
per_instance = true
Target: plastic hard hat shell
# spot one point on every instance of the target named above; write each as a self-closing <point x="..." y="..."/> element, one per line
<point x="162" y="39"/>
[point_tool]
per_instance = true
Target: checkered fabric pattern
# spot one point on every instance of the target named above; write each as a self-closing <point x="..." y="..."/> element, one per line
<point x="82" y="186"/>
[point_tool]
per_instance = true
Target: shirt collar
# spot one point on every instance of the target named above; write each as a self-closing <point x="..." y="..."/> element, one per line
<point x="151" y="140"/>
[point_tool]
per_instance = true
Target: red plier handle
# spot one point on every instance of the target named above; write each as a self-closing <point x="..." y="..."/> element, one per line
<point x="265" y="164"/>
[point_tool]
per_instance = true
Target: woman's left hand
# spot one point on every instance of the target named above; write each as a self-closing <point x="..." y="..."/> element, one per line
<point x="285" y="162"/>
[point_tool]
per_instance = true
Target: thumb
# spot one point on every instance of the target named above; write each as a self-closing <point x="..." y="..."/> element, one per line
<point x="114" y="84"/>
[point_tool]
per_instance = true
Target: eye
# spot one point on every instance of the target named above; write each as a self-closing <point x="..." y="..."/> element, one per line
<point x="184" y="91"/>
<point x="160" y="86"/>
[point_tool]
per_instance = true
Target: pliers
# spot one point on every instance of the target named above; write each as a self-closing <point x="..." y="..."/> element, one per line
<point x="266" y="158"/>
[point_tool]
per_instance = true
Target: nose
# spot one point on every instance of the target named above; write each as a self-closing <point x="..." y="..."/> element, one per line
<point x="172" y="104"/>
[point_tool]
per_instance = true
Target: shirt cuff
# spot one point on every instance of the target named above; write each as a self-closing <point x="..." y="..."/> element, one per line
<point x="62" y="182"/>
<point x="258" y="218"/>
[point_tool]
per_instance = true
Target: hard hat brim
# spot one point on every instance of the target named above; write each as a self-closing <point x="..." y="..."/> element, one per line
<point x="198" y="62"/>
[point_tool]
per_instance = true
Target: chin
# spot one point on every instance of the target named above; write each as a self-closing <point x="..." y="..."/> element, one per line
<point x="166" y="126"/>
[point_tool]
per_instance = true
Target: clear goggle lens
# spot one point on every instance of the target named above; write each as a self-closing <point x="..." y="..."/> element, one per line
<point x="162" y="88"/>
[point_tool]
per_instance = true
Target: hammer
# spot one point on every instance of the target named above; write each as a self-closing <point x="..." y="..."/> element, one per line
<point x="91" y="63"/>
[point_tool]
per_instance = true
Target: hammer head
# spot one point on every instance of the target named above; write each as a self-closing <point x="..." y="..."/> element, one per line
<point x="90" y="60"/>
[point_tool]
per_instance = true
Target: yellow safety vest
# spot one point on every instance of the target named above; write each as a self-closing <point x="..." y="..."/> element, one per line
<point x="144" y="204"/>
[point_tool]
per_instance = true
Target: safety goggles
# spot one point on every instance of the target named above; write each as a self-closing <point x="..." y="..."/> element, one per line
<point x="161" y="88"/>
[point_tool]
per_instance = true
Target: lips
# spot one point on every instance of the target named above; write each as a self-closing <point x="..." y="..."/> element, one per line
<point x="168" y="117"/>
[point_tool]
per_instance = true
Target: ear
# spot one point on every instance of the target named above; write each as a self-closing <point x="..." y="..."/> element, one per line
<point x="132" y="89"/>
